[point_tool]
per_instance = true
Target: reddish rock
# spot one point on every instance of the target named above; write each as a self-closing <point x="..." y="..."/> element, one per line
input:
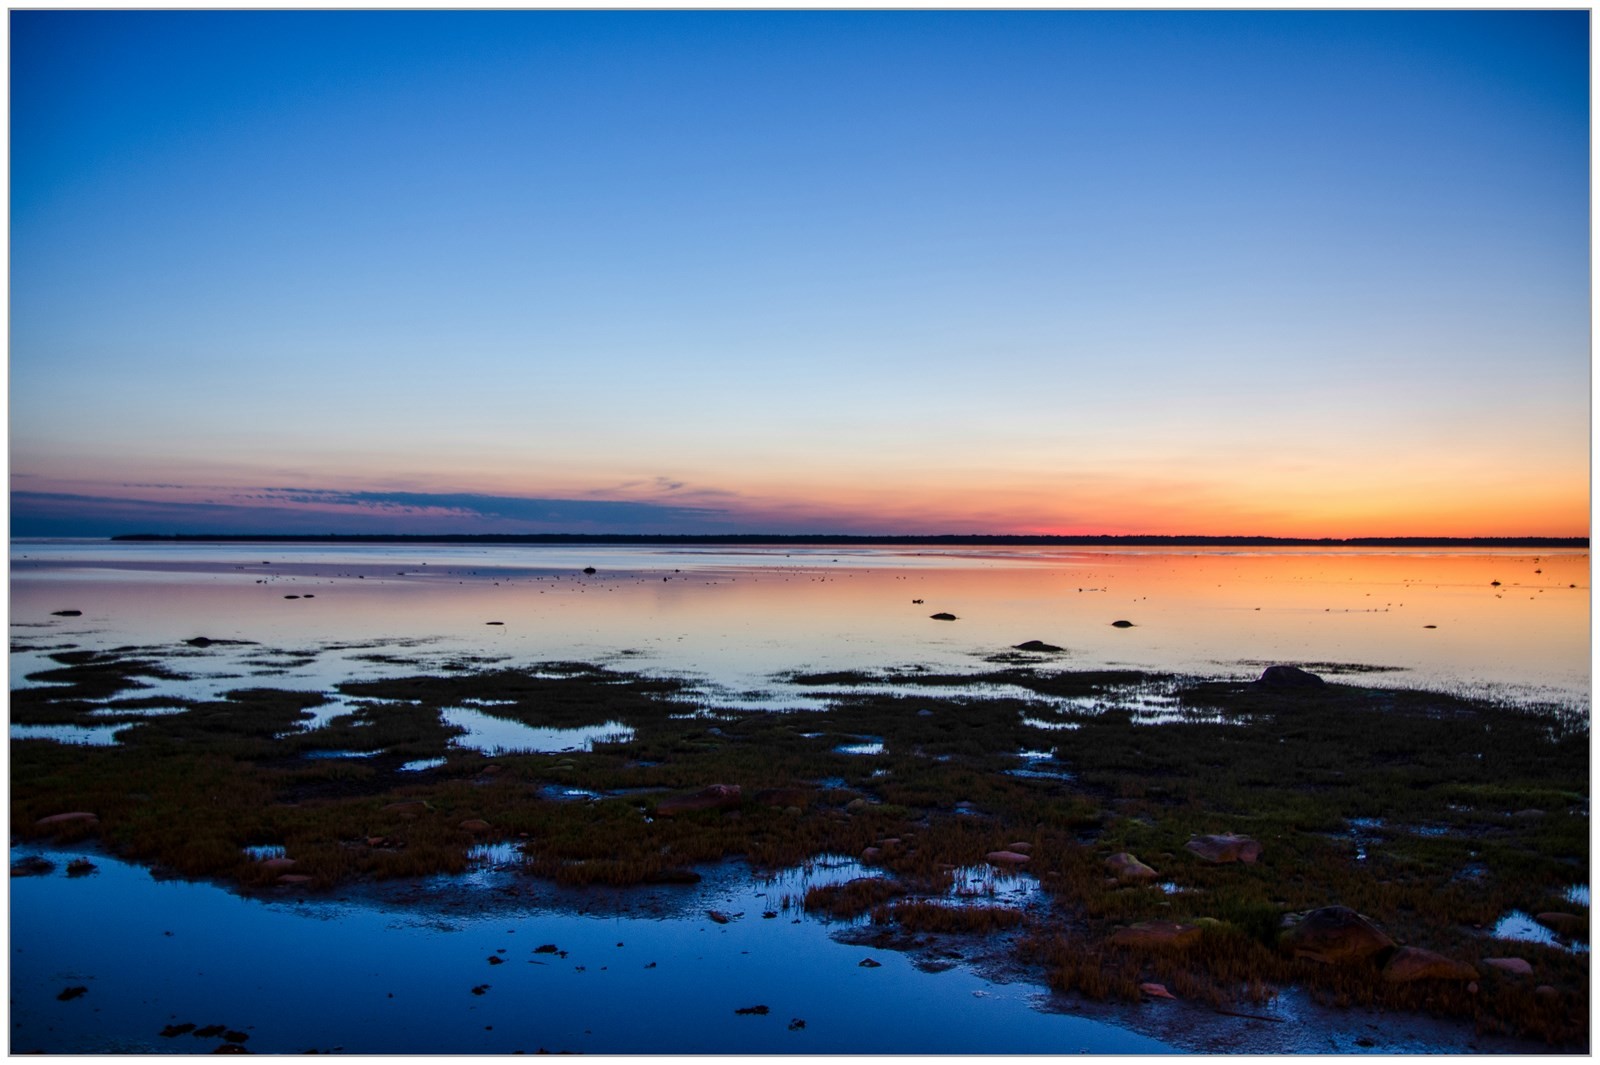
<point x="1156" y="935"/>
<point x="1545" y="991"/>
<point x="1157" y="991"/>
<point x="1414" y="963"/>
<point x="1020" y="848"/>
<point x="476" y="826"/>
<point x="1005" y="858"/>
<point x="1334" y="935"/>
<point x="1566" y="924"/>
<point x="62" y="820"/>
<point x="711" y="797"/>
<point x="871" y="854"/>
<point x="1125" y="866"/>
<point x="1515" y="966"/>
<point x="279" y="865"/>
<point x="1225" y="848"/>
<point x="408" y="810"/>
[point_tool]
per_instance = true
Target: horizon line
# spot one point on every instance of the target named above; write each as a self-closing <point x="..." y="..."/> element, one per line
<point x="905" y="539"/>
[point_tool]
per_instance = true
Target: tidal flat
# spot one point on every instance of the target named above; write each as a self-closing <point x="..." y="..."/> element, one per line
<point x="1036" y="848"/>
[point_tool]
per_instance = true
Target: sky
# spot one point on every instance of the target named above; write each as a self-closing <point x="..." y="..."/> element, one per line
<point x="1256" y="273"/>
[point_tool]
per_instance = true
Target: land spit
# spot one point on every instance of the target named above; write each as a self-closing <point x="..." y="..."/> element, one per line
<point x="1184" y="834"/>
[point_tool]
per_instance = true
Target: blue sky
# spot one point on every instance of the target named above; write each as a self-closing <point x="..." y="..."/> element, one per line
<point x="1222" y="272"/>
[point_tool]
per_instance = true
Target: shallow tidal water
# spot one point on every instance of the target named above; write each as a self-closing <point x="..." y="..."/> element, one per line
<point x="298" y="972"/>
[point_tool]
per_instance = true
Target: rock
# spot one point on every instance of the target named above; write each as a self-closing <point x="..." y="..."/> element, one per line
<point x="589" y="569"/>
<point x="1414" y="963"/>
<point x="856" y="805"/>
<point x="916" y="602"/>
<point x="1289" y="677"/>
<point x="1227" y="847"/>
<point x="1156" y="935"/>
<point x="77" y="817"/>
<point x="230" y="1048"/>
<point x="868" y="963"/>
<point x="942" y="616"/>
<point x="1125" y="866"/>
<point x="871" y="854"/>
<point x="1020" y="848"/>
<point x="1515" y="966"/>
<point x="66" y="613"/>
<point x="710" y="797"/>
<point x="494" y="623"/>
<point x="80" y="867"/>
<point x="477" y="826"/>
<point x="70" y="993"/>
<point x="278" y="865"/>
<point x="722" y="918"/>
<point x="753" y="1011"/>
<point x="1545" y="991"/>
<point x="1157" y="991"/>
<point x="33" y="865"/>
<point x="408" y="810"/>
<point x="1565" y="924"/>
<point x="1120" y="624"/>
<point x="1005" y="858"/>
<point x="1038" y="645"/>
<point x="1334" y="935"/>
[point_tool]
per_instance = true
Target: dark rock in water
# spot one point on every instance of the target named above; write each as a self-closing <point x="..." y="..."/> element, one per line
<point x="230" y="1048"/>
<point x="868" y="963"/>
<point x="1333" y="935"/>
<point x="210" y="1031"/>
<point x="494" y="623"/>
<point x="1122" y="624"/>
<point x="291" y="597"/>
<point x="711" y="797"/>
<point x="235" y="1037"/>
<point x="66" y="613"/>
<point x="588" y="569"/>
<point x="33" y="865"/>
<point x="1038" y="645"/>
<point x="1159" y="935"/>
<point x="173" y="1030"/>
<point x="1219" y="850"/>
<point x="942" y="616"/>
<point x="754" y="1011"/>
<point x="80" y="867"/>
<point x="1565" y="924"/>
<point x="548" y="948"/>
<point x="796" y="1024"/>
<point x="916" y="602"/>
<point x="70" y="993"/>
<point x="1414" y="963"/>
<point x="1289" y="677"/>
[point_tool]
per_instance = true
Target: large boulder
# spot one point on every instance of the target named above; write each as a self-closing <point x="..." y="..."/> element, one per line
<point x="1333" y="935"/>
<point x="1227" y="847"/>
<point x="1414" y="963"/>
<point x="1289" y="677"/>
<point x="1125" y="866"/>
<point x="1156" y="935"/>
<point x="710" y="797"/>
<point x="1038" y="645"/>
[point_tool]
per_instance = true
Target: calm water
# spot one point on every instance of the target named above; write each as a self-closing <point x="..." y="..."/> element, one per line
<point x="298" y="974"/>
<point x="736" y="620"/>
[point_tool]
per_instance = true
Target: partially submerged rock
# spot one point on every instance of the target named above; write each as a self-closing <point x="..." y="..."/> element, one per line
<point x="1156" y="935"/>
<point x="1038" y="645"/>
<point x="1333" y="935"/>
<point x="1125" y="866"/>
<point x="1225" y="848"/>
<point x="710" y="797"/>
<point x="1122" y="623"/>
<point x="1005" y="858"/>
<point x="1289" y="677"/>
<point x="1515" y="966"/>
<point x="1415" y="963"/>
<point x="33" y="865"/>
<point x="942" y="616"/>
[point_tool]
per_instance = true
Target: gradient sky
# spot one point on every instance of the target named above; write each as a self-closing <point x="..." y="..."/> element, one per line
<point x="1276" y="273"/>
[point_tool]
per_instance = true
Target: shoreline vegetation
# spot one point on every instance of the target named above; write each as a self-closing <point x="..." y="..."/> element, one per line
<point x="830" y="539"/>
<point x="1218" y="841"/>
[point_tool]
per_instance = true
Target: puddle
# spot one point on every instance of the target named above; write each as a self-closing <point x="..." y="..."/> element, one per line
<point x="98" y="736"/>
<point x="339" y="754"/>
<point x="420" y="764"/>
<point x="1518" y="926"/>
<point x="265" y="853"/>
<point x="1034" y="722"/>
<point x="869" y="747"/>
<point x="113" y="710"/>
<point x="496" y="735"/>
<point x="1578" y="894"/>
<point x="561" y="793"/>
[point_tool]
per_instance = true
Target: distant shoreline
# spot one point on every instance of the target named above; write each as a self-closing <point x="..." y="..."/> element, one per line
<point x="820" y="539"/>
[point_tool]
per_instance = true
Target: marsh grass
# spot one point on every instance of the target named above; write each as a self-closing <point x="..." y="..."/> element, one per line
<point x="1430" y="814"/>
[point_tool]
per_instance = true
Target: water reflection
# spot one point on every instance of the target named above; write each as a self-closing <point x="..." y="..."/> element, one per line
<point x="497" y="735"/>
